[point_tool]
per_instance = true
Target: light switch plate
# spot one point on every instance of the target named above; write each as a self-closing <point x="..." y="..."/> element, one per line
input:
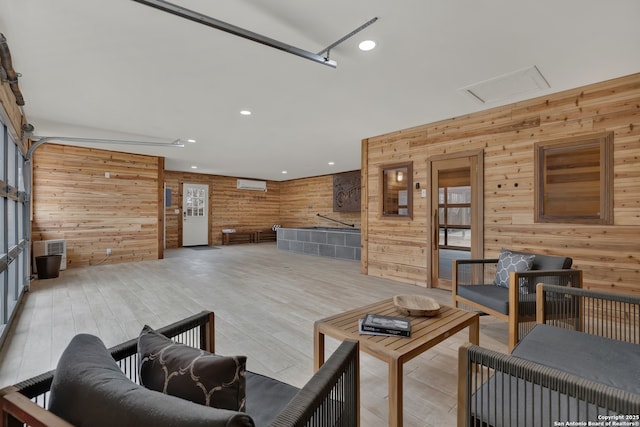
<point x="423" y="192"/>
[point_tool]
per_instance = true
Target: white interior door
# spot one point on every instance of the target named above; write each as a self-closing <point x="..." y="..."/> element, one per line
<point x="195" y="214"/>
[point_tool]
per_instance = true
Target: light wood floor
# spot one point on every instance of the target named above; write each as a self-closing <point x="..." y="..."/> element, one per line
<point x="265" y="301"/>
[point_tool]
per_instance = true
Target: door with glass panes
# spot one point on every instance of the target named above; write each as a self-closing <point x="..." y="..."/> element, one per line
<point x="195" y="214"/>
<point x="456" y="218"/>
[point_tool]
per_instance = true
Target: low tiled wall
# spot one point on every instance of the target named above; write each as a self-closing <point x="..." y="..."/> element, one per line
<point x="343" y="243"/>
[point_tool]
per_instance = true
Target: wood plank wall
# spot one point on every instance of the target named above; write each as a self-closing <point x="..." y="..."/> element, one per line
<point x="608" y="255"/>
<point x="302" y="199"/>
<point x="291" y="203"/>
<point x="244" y="210"/>
<point x="73" y="200"/>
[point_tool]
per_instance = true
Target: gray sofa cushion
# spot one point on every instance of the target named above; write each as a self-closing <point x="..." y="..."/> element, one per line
<point x="548" y="262"/>
<point x="611" y="362"/>
<point x="497" y="298"/>
<point x="89" y="389"/>
<point x="190" y="373"/>
<point x="490" y="296"/>
<point x="266" y="398"/>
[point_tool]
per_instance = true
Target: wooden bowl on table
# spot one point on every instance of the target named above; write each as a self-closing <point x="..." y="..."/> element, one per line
<point x="416" y="305"/>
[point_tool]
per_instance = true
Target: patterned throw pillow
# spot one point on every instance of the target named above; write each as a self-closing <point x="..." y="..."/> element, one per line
<point x="190" y="373"/>
<point x="508" y="262"/>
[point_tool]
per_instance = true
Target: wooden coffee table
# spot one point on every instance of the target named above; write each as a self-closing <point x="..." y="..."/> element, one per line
<point x="426" y="332"/>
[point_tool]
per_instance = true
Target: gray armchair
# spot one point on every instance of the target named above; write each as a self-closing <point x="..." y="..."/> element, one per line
<point x="474" y="287"/>
<point x="581" y="362"/>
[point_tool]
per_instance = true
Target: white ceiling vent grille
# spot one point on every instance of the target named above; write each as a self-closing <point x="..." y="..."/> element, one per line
<point x="249" y="184"/>
<point x="510" y="86"/>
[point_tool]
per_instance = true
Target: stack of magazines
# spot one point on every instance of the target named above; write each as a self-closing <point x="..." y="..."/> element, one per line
<point x="377" y="324"/>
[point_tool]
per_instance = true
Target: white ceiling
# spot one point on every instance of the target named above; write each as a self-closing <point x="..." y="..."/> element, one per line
<point x="119" y="69"/>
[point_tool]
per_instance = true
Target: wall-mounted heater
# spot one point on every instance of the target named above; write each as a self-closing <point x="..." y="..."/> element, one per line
<point x="50" y="247"/>
<point x="249" y="184"/>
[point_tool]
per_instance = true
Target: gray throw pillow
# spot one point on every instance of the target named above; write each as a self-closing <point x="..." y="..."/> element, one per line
<point x="508" y="262"/>
<point x="190" y="373"/>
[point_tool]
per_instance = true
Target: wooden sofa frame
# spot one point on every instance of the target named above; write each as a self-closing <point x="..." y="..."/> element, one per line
<point x="24" y="403"/>
<point x="597" y="313"/>
<point x="482" y="271"/>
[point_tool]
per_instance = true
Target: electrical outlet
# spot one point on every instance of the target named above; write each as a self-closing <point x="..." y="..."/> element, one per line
<point x="108" y="251"/>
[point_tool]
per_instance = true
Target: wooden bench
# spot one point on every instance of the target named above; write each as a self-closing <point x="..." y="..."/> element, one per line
<point x="265" y="236"/>
<point x="238" y="237"/>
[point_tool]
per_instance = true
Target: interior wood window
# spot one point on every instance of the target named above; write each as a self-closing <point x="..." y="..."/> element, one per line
<point x="396" y="184"/>
<point x="574" y="180"/>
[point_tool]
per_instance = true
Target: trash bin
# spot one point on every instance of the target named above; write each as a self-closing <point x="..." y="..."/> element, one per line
<point x="48" y="266"/>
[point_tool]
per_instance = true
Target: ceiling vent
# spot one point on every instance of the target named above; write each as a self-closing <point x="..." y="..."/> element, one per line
<point x="510" y="86"/>
<point x="248" y="184"/>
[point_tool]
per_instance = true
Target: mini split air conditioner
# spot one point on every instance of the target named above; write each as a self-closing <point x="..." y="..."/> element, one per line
<point x="50" y="247"/>
<point x="248" y="184"/>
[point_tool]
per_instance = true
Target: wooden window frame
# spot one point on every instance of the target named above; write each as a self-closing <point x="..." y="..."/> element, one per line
<point x="408" y="187"/>
<point x="603" y="140"/>
<point x="446" y="205"/>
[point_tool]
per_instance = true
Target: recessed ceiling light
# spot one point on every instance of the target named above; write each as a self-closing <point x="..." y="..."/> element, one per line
<point x="194" y="167"/>
<point x="191" y="140"/>
<point x="284" y="171"/>
<point x="245" y="112"/>
<point x="367" y="45"/>
<point x="331" y="163"/>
